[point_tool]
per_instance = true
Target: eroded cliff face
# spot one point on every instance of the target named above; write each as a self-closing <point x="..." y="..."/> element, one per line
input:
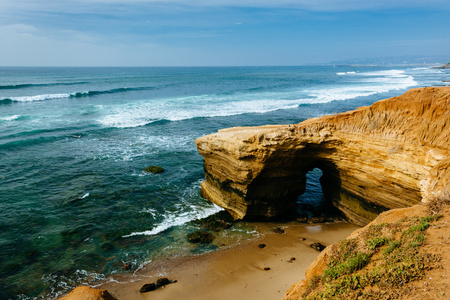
<point x="392" y="154"/>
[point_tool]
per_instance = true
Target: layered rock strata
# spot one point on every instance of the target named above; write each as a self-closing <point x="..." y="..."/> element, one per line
<point x="392" y="154"/>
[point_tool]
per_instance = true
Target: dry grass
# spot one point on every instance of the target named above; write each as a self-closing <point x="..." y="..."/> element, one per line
<point x="378" y="264"/>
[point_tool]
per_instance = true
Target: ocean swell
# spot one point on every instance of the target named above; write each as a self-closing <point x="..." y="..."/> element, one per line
<point x="43" y="97"/>
<point x="219" y="105"/>
<point x="29" y="85"/>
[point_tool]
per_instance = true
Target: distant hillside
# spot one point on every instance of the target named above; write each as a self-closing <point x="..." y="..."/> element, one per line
<point x="446" y="66"/>
<point x="396" y="60"/>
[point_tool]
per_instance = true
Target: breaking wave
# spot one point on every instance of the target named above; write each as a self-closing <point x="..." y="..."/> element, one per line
<point x="44" y="97"/>
<point x="218" y="105"/>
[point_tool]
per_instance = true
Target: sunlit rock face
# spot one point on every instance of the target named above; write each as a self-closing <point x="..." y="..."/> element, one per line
<point x="392" y="154"/>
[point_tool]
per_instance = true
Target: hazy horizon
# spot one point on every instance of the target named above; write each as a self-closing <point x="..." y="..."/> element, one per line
<point x="220" y="33"/>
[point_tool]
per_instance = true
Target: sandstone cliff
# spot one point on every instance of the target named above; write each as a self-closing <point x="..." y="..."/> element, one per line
<point x="392" y="154"/>
<point x="88" y="293"/>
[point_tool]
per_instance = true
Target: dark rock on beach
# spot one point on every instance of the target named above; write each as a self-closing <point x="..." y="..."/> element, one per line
<point x="154" y="169"/>
<point x="317" y="246"/>
<point x="161" y="282"/>
<point x="315" y="220"/>
<point x="279" y="230"/>
<point x="148" y="287"/>
<point x="261" y="246"/>
<point x="302" y="218"/>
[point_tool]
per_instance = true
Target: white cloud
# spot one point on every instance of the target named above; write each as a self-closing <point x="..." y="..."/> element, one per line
<point x="126" y="32"/>
<point x="28" y="46"/>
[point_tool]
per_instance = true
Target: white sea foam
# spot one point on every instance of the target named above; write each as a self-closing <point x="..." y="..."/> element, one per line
<point x="10" y="118"/>
<point x="345" y="73"/>
<point x="40" y="97"/>
<point x="137" y="146"/>
<point x="151" y="211"/>
<point x="144" y="113"/>
<point x="367" y="84"/>
<point x="179" y="218"/>
<point x="360" y="84"/>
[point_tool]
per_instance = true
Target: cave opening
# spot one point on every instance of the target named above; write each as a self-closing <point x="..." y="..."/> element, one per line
<point x="313" y="203"/>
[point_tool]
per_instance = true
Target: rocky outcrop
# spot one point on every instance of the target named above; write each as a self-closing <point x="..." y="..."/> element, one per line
<point x="392" y="154"/>
<point x="88" y="293"/>
<point x="446" y="66"/>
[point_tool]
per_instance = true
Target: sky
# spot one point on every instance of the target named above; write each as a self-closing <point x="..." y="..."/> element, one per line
<point x="218" y="32"/>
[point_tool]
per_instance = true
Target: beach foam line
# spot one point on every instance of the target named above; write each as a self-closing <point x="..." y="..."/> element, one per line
<point x="178" y="219"/>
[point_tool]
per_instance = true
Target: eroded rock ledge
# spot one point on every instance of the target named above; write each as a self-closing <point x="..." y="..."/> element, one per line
<point x="392" y="154"/>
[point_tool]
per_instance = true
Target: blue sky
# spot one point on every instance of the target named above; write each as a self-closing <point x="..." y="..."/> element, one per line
<point x="218" y="32"/>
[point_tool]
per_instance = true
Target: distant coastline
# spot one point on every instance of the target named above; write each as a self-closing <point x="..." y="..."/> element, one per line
<point x="446" y="66"/>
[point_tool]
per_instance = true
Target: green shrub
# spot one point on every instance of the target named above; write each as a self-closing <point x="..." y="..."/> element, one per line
<point x="377" y="242"/>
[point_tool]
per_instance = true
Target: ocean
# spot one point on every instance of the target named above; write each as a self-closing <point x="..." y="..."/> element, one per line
<point x="76" y="204"/>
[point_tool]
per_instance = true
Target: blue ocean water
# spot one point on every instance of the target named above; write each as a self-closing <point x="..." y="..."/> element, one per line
<point x="75" y="201"/>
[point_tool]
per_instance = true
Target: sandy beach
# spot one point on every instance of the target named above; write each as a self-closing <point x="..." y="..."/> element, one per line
<point x="246" y="271"/>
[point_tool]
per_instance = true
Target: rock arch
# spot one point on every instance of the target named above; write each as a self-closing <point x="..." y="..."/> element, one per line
<point x="373" y="159"/>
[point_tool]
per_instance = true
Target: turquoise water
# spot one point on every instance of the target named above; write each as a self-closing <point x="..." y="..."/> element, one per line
<point x="75" y="202"/>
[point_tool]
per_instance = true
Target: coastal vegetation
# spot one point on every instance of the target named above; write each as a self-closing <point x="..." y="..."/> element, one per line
<point x="392" y="250"/>
<point x="384" y="259"/>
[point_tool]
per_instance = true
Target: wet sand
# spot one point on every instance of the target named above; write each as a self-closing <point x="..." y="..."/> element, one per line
<point x="237" y="272"/>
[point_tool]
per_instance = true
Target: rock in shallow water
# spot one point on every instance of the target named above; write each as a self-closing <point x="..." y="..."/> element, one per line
<point x="200" y="237"/>
<point x="154" y="169"/>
